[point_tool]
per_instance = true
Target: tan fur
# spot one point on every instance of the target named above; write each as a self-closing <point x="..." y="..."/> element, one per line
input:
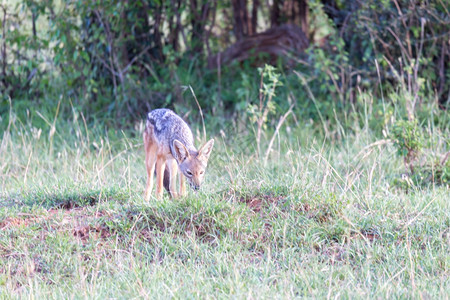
<point x="165" y="153"/>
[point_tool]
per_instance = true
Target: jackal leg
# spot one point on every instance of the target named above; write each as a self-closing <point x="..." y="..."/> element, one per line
<point x="182" y="184"/>
<point x="173" y="171"/>
<point x="150" y="161"/>
<point x="160" y="166"/>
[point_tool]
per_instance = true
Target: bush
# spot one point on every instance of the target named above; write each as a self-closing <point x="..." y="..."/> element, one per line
<point x="408" y="140"/>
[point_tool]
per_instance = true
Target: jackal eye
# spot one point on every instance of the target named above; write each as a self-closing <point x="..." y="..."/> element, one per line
<point x="201" y="172"/>
<point x="189" y="173"/>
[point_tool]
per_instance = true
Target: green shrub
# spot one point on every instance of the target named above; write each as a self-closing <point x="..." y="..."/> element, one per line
<point x="408" y="140"/>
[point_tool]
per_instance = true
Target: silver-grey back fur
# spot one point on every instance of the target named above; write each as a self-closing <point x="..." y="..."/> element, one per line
<point x="168" y="126"/>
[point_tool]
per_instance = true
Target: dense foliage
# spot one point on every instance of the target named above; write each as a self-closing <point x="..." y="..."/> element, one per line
<point x="119" y="58"/>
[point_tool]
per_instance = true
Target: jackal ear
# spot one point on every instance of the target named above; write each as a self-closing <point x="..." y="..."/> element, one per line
<point x="205" y="150"/>
<point x="181" y="152"/>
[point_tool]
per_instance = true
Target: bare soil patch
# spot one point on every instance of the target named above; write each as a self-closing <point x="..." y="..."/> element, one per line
<point x="258" y="201"/>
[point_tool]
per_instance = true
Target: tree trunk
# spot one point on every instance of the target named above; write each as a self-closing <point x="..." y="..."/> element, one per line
<point x="240" y="15"/>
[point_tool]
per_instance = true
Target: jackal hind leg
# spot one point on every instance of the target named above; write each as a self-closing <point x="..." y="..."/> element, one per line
<point x="150" y="161"/>
<point x="160" y="166"/>
<point x="173" y="171"/>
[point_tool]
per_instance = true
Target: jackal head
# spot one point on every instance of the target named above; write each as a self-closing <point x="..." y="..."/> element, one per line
<point x="193" y="164"/>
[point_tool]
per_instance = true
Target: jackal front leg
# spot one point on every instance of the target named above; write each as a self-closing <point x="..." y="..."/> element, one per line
<point x="160" y="166"/>
<point x="182" y="184"/>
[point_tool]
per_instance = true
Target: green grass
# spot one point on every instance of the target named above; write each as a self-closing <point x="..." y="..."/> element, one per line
<point x="321" y="219"/>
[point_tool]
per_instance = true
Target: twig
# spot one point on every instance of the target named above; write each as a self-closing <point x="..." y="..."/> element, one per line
<point x="377" y="143"/>
<point x="408" y="41"/>
<point x="446" y="156"/>
<point x="201" y="113"/>
<point x="419" y="214"/>
<point x="392" y="278"/>
<point x="381" y="89"/>
<point x="399" y="43"/>
<point x="124" y="70"/>
<point x="277" y="129"/>
<point x="26" y="169"/>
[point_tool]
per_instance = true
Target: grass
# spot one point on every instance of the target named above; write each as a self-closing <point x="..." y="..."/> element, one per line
<point x="321" y="219"/>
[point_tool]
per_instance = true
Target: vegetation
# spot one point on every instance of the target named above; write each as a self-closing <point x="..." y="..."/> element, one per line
<point x="119" y="59"/>
<point x="330" y="173"/>
<point x="317" y="220"/>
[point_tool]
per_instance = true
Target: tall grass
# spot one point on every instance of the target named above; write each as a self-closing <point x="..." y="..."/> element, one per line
<point x="323" y="218"/>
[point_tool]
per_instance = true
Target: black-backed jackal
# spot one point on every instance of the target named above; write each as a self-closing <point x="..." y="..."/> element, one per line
<point x="170" y="150"/>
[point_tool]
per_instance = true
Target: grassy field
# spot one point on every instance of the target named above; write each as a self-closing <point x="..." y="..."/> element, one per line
<point x="322" y="218"/>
